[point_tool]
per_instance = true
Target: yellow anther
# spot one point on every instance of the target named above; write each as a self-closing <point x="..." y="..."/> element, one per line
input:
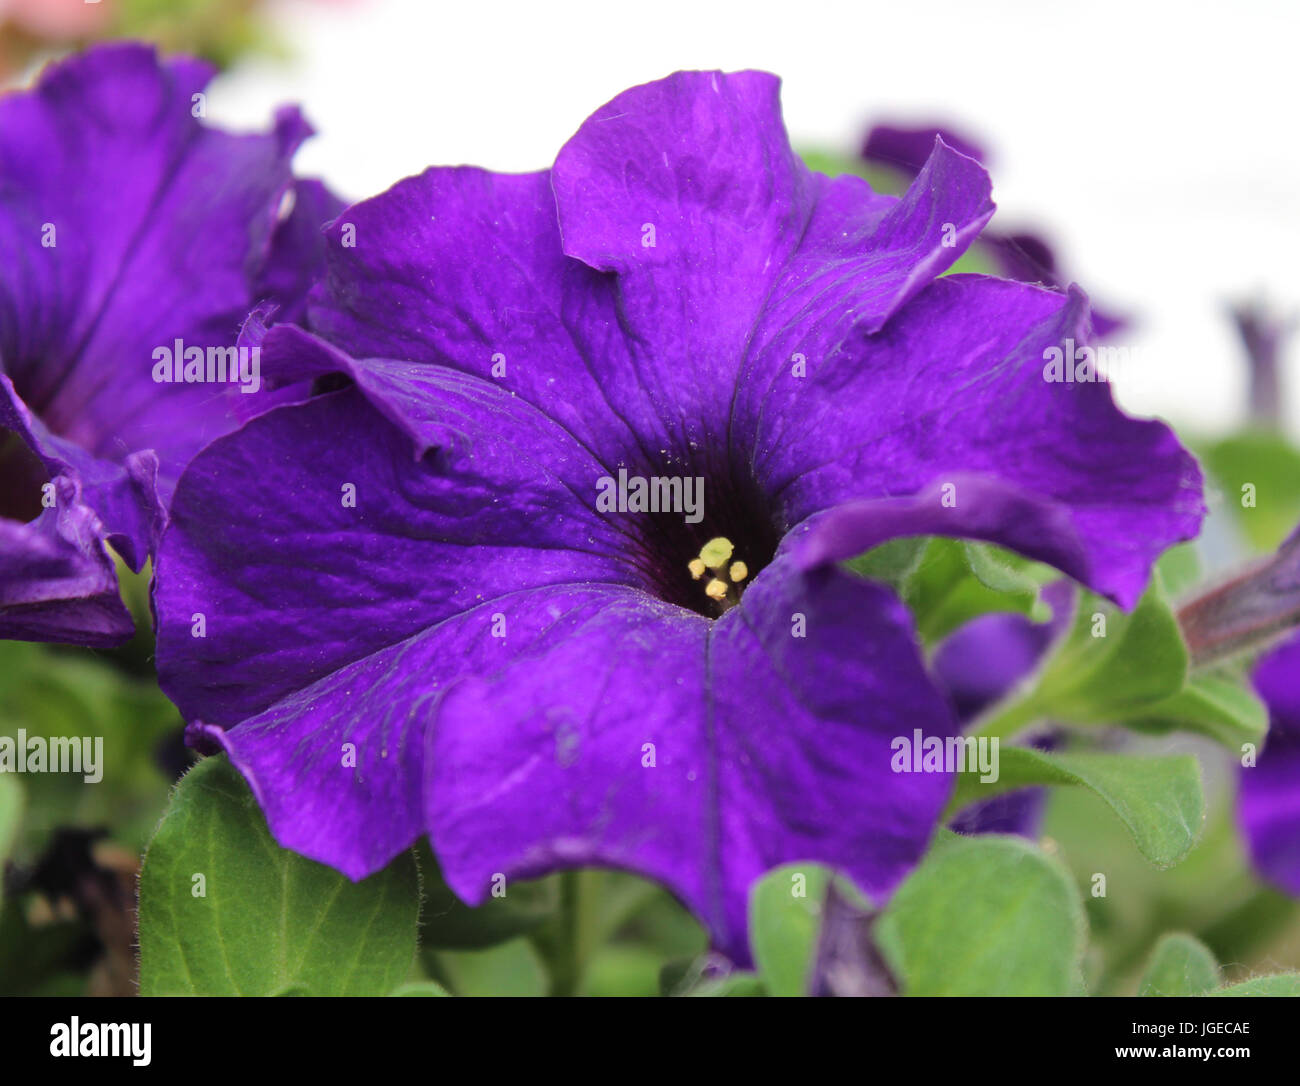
<point x="697" y="568"/>
<point x="716" y="551"/>
<point x="716" y="590"/>
<point x="738" y="572"/>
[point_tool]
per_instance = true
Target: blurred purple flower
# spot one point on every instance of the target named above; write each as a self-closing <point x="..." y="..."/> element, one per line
<point x="1025" y="257"/>
<point x="126" y="225"/>
<point x="979" y="664"/>
<point x="1268" y="803"/>
<point x="1264" y="335"/>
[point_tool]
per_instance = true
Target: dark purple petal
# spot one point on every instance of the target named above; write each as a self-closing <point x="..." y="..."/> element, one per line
<point x="856" y="267"/>
<point x="338" y="766"/>
<point x="906" y="149"/>
<point x="745" y="240"/>
<point x="687" y="190"/>
<point x="1025" y="257"/>
<point x="57" y="583"/>
<point x="767" y="747"/>
<point x="1269" y="799"/>
<point x="1019" y="812"/>
<point x="506" y="303"/>
<point x="326" y="623"/>
<point x="298" y="250"/>
<point x="982" y="661"/>
<point x="951" y="394"/>
<point x="295" y="582"/>
<point x="124" y="495"/>
<point x="1028" y="258"/>
<point x="171" y="254"/>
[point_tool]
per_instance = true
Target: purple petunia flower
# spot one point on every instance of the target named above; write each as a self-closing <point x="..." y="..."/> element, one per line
<point x="127" y="226"/>
<point x="981" y="663"/>
<point x="1264" y="335"/>
<point x="1025" y="257"/>
<point x="1268" y="803"/>
<point x="402" y="605"/>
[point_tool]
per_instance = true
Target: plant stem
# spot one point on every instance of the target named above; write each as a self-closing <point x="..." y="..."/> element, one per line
<point x="565" y="943"/>
<point x="1006" y="721"/>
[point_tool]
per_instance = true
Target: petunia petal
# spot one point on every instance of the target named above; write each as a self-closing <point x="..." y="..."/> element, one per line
<point x="318" y="535"/>
<point x="646" y="738"/>
<point x="643" y="365"/>
<point x="983" y="660"/>
<point x="338" y="765"/>
<point x="505" y="305"/>
<point x="296" y="261"/>
<point x="1027" y="257"/>
<point x="92" y="286"/>
<point x="688" y="191"/>
<point x="124" y="495"/>
<point x="1269" y="800"/>
<point x="906" y="149"/>
<point x="944" y="423"/>
<point x="57" y="583"/>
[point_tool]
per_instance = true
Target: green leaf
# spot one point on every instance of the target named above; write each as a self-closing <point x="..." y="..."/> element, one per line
<point x="1158" y="798"/>
<point x="1115" y="663"/>
<point x="1133" y="669"/>
<point x="509" y="969"/>
<point x="1180" y="569"/>
<point x="420" y="988"/>
<point x="893" y="562"/>
<point x="948" y="582"/>
<point x="1212" y="705"/>
<point x="734" y="984"/>
<point x="1108" y="666"/>
<point x="269" y="920"/>
<point x="785" y="908"/>
<point x="1280" y="984"/>
<point x="1270" y="465"/>
<point x="1180" y="965"/>
<point x="985" y="915"/>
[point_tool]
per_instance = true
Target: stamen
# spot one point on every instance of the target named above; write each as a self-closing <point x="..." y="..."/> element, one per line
<point x="723" y="587"/>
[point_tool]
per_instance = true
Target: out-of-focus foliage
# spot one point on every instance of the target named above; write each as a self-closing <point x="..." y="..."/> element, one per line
<point x="220" y="30"/>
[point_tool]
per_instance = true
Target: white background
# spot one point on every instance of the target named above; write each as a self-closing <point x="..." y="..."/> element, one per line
<point x="1157" y="143"/>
